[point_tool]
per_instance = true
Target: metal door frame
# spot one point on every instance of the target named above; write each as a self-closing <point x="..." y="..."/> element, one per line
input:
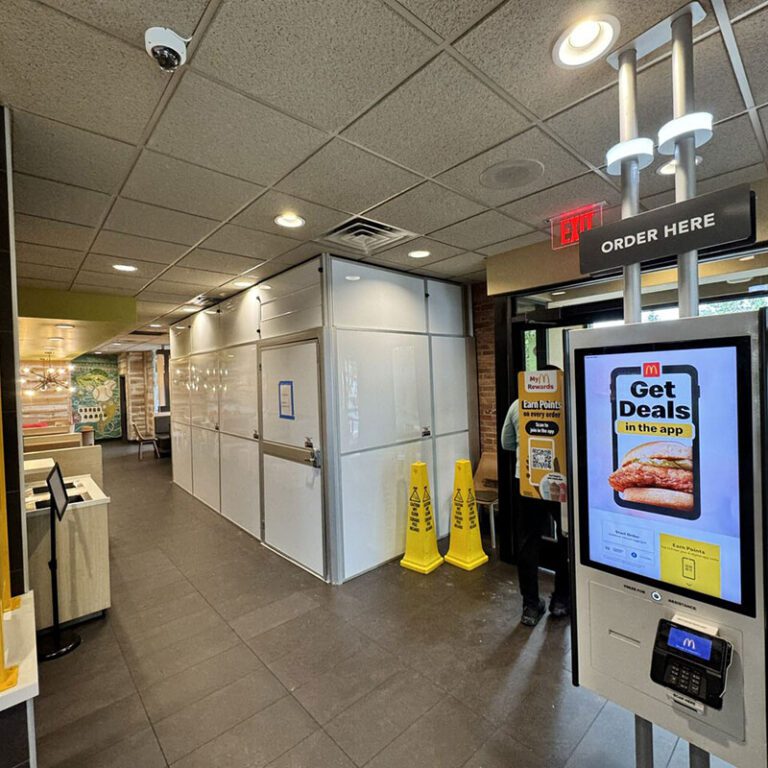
<point x="288" y="453"/>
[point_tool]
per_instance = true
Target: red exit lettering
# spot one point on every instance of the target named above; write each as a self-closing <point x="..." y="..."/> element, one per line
<point x="567" y="227"/>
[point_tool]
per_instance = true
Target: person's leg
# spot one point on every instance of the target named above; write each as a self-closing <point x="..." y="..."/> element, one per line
<point x="560" y="604"/>
<point x="529" y="530"/>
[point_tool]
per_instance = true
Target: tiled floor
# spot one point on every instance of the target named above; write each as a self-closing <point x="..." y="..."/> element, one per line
<point x="219" y="654"/>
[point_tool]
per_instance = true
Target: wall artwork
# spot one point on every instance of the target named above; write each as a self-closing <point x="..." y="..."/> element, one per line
<point x="96" y="399"/>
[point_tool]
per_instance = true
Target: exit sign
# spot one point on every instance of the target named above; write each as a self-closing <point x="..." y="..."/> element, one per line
<point x="566" y="228"/>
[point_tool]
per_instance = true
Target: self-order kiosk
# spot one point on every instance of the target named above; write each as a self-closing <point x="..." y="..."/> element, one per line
<point x="667" y="519"/>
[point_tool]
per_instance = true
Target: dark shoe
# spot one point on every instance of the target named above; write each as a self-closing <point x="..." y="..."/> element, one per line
<point x="532" y="614"/>
<point x="560" y="607"/>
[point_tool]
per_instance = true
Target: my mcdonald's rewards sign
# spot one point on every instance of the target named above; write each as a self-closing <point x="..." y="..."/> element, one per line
<point x="541" y="442"/>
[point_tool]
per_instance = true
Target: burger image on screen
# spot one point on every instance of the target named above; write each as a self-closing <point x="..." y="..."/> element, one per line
<point x="658" y="473"/>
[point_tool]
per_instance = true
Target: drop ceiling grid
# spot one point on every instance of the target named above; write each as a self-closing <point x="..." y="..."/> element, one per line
<point x="446" y="46"/>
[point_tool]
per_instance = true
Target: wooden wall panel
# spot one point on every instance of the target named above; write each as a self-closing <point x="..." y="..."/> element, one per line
<point x="139" y="371"/>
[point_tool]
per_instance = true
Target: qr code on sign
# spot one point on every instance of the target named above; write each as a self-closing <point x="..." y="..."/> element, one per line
<point x="541" y="458"/>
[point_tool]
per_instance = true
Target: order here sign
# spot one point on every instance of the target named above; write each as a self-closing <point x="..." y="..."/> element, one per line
<point x="719" y="218"/>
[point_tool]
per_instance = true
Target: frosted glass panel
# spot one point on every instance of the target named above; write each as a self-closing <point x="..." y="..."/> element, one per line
<point x="384" y="393"/>
<point x="204" y="390"/>
<point x="180" y="391"/>
<point x="240" y="318"/>
<point x="239" y="400"/>
<point x="289" y="394"/>
<point x="449" y="366"/>
<point x="180" y="344"/>
<point x="377" y="298"/>
<point x="294" y="302"/>
<point x="449" y="450"/>
<point x="374" y="489"/>
<point x="240" y="500"/>
<point x="205" y="466"/>
<point x="204" y="332"/>
<point x="446" y="310"/>
<point x="293" y="511"/>
<point x="181" y="455"/>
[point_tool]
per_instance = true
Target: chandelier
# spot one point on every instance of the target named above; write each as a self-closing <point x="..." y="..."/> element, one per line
<point x="49" y="378"/>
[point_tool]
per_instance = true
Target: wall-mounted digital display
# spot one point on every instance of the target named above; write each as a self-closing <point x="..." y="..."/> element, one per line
<point x="665" y="468"/>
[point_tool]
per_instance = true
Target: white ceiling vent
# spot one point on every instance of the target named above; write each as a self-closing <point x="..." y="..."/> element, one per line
<point x="365" y="236"/>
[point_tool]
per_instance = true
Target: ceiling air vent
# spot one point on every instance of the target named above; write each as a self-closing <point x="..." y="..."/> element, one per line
<point x="365" y="236"/>
<point x="148" y="333"/>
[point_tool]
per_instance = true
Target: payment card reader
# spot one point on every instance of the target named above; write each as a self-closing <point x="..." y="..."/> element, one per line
<point x="693" y="664"/>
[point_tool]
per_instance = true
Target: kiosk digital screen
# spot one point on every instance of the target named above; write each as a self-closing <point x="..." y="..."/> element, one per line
<point x="690" y="643"/>
<point x="665" y="469"/>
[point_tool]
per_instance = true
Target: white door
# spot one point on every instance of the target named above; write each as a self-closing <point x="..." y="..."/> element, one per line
<point x="292" y="453"/>
<point x="240" y="501"/>
<point x="205" y="467"/>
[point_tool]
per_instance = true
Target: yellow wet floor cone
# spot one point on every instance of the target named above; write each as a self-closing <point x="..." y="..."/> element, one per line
<point x="466" y="548"/>
<point x="421" y="553"/>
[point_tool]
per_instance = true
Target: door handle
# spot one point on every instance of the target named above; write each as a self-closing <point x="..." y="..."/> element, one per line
<point x="255" y="434"/>
<point x="314" y="458"/>
<point x="216" y="426"/>
<point x="426" y="431"/>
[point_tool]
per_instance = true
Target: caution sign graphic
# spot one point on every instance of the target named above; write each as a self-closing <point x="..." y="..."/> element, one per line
<point x="421" y="553"/>
<point x="466" y="548"/>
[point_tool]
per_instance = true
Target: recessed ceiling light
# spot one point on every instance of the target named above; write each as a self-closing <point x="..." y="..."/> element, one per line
<point x="419" y="254"/>
<point x="188" y="308"/>
<point x="353" y="277"/>
<point x="265" y="287"/>
<point x="98" y="353"/>
<point x="125" y="268"/>
<point x="586" y="41"/>
<point x="117" y="343"/>
<point x="155" y="325"/>
<point x="289" y="220"/>
<point x="55" y="338"/>
<point x="558" y="293"/>
<point x="746" y="258"/>
<point x="243" y="284"/>
<point x="670" y="166"/>
<point x="64" y="326"/>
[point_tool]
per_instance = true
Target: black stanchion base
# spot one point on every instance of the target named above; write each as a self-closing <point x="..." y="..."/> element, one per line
<point x="54" y="645"/>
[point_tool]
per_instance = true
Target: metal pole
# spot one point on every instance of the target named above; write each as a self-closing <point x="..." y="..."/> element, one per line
<point x="685" y="155"/>
<point x="643" y="743"/>
<point x="697" y="757"/>
<point x="630" y="177"/>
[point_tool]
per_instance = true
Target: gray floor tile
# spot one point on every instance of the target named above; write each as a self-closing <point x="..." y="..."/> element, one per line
<point x="184" y="731"/>
<point x="93" y="733"/>
<point x="367" y="726"/>
<point x="273" y="614"/>
<point x="445" y="737"/>
<point x="680" y="758"/>
<point x="316" y="751"/>
<point x="502" y="751"/>
<point x="140" y="750"/>
<point x="256" y="741"/>
<point x="331" y="693"/>
<point x="196" y="682"/>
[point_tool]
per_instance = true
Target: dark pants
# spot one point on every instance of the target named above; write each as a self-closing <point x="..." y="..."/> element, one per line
<point x="533" y="520"/>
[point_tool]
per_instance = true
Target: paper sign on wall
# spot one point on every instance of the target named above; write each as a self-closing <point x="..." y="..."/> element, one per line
<point x="286" y="402"/>
<point x="542" y="436"/>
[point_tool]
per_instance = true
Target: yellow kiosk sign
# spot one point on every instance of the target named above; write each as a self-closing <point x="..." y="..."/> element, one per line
<point x="542" y="435"/>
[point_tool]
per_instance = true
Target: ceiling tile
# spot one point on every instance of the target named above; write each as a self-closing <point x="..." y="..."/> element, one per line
<point x="249" y="242"/>
<point x="132" y="247"/>
<point x="158" y="296"/>
<point x="514" y="47"/>
<point x="152" y="309"/>
<point x="449" y="17"/>
<point x="196" y="276"/>
<point x="150" y="221"/>
<point x="129" y="19"/>
<point x="32" y="229"/>
<point x="458" y="265"/>
<point x="146" y="270"/>
<point x="52" y="200"/>
<point x="733" y="145"/>
<point x="213" y="126"/>
<point x="738" y="7"/>
<point x="539" y="208"/>
<point x="261" y="215"/>
<point x="60" y="152"/>
<point x="475" y="277"/>
<point x="489" y="227"/>
<point x="715" y="88"/>
<point x="347" y="178"/>
<point x="48" y="68"/>
<point x="558" y="165"/>
<point x="751" y="34"/>
<point x="425" y="208"/>
<point x="172" y="183"/>
<point x="440" y="116"/>
<point x="182" y="291"/>
<point x="44" y="271"/>
<point x="355" y="52"/>
<point x="399" y="254"/>
<point x="122" y="284"/>
<point x="515" y="242"/>
<point x="54" y="257"/>
<point x="298" y="255"/>
<point x="216" y="261"/>
<point x="55" y="285"/>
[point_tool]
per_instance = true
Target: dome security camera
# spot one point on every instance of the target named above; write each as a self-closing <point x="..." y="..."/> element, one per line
<point x="167" y="48"/>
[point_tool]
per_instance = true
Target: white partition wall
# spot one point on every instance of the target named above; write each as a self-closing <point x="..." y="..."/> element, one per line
<point x="389" y="351"/>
